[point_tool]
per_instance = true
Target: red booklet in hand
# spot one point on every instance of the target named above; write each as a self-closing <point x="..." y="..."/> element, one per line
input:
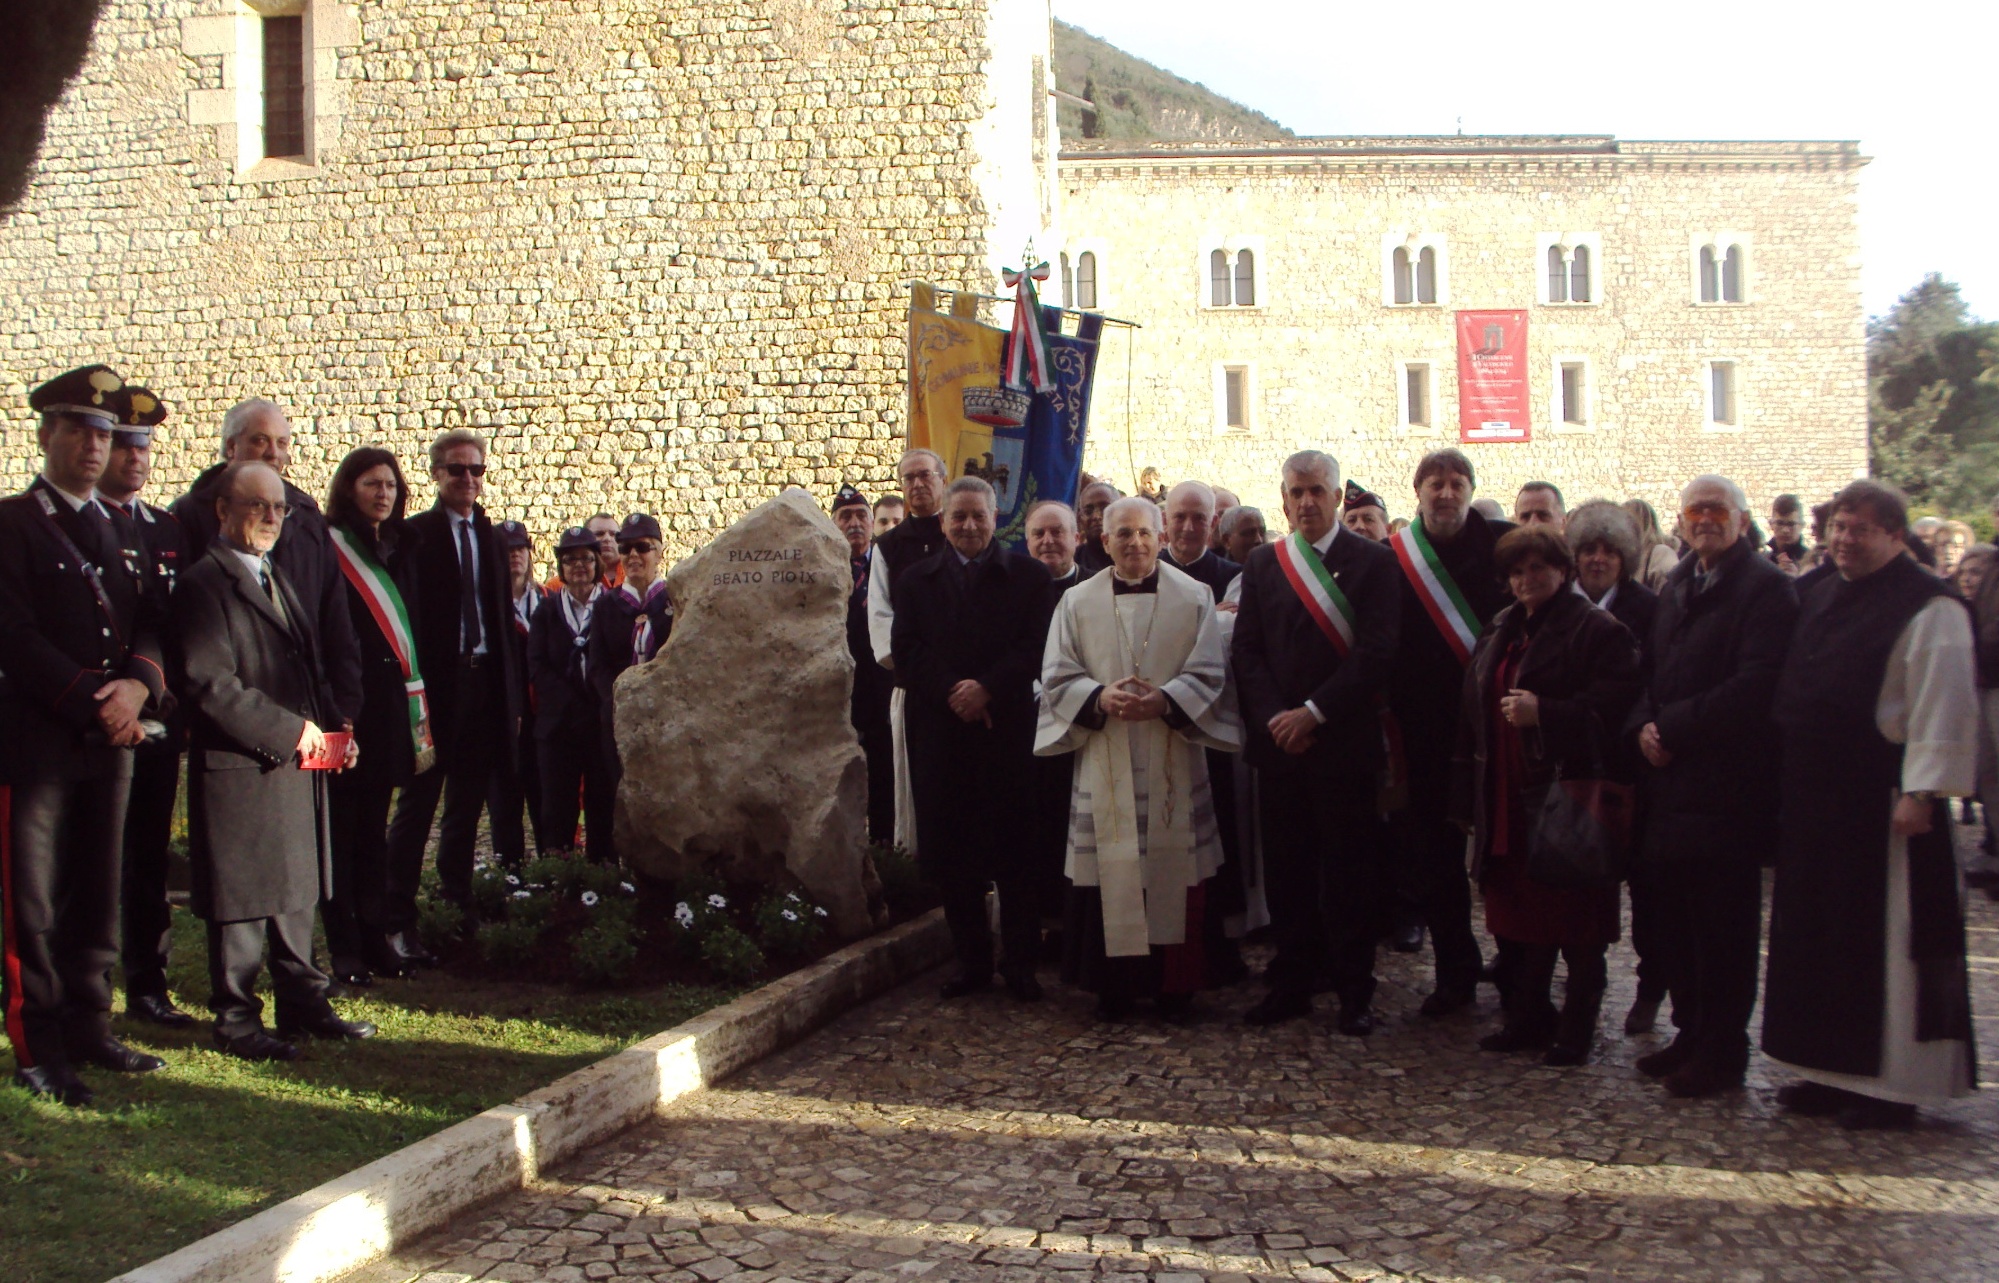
<point x="332" y="756"/>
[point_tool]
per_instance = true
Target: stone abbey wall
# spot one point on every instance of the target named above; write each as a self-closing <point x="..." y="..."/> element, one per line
<point x="658" y="246"/>
<point x="1324" y="350"/>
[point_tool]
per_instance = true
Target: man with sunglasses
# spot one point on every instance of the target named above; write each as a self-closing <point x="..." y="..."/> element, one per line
<point x="466" y="647"/>
<point x="258" y="431"/>
<point x="1725" y="619"/>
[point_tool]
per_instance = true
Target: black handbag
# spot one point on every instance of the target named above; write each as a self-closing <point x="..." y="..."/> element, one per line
<point x="1581" y="839"/>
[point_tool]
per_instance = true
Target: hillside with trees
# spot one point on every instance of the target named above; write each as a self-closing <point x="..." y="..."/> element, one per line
<point x="1138" y="102"/>
<point x="1933" y="400"/>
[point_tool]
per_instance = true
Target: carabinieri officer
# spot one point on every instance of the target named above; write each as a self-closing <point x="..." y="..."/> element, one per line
<point x="80" y="650"/>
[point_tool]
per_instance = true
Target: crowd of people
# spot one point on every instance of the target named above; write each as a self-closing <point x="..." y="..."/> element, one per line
<point x="1166" y="725"/>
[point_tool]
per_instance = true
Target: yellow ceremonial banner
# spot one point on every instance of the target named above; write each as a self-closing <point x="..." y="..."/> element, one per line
<point x="947" y="355"/>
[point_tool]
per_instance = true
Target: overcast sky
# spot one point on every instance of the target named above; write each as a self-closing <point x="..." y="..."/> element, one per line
<point x="1910" y="80"/>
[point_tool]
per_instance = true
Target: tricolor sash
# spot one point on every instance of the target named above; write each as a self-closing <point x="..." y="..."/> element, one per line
<point x="1321" y="597"/>
<point x="385" y="602"/>
<point x="1438" y="592"/>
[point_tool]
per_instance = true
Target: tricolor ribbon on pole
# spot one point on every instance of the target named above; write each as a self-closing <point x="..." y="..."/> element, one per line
<point x="1027" y="365"/>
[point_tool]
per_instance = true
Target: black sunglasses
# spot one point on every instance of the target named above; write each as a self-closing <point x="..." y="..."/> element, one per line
<point x="461" y="469"/>
<point x="642" y="547"/>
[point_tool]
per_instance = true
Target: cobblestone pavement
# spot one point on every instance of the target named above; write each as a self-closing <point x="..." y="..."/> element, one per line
<point x="986" y="1140"/>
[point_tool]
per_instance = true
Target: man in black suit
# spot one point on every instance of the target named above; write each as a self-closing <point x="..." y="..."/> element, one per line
<point x="873" y="687"/>
<point x="80" y="650"/>
<point x="257" y="431"/>
<point x="1052" y="541"/>
<point x="258" y="843"/>
<point x="146" y="918"/>
<point x="463" y="628"/>
<point x="916" y="538"/>
<point x="971" y="624"/>
<point x="569" y="711"/>
<point x="1315" y="637"/>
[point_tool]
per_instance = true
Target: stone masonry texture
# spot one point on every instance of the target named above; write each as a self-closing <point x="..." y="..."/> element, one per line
<point x="984" y="1140"/>
<point x="1324" y="350"/>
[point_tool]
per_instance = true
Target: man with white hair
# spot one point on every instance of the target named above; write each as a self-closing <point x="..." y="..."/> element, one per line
<point x="1723" y="625"/>
<point x="1133" y="682"/>
<point x="1314" y="642"/>
<point x="914" y="539"/>
<point x="258" y="431"/>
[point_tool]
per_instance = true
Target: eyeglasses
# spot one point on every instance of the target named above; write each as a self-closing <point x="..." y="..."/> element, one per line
<point x="265" y="507"/>
<point x="1694" y="512"/>
<point x="908" y="477"/>
<point x="644" y="547"/>
<point x="579" y="555"/>
<point x="466" y="469"/>
<point x="1855" y="529"/>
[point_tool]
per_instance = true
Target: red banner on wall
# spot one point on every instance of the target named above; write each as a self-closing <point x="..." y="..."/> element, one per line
<point x="1492" y="377"/>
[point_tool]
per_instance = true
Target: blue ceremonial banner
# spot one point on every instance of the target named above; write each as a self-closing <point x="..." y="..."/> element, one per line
<point x="1043" y="459"/>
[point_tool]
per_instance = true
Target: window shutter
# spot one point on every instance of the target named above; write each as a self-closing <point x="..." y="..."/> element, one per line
<point x="1086" y="279"/>
<point x="1558" y="276"/>
<point x="1405" y="290"/>
<point x="1710" y="277"/>
<point x="284" y="86"/>
<point x="1579" y="275"/>
<point x="1731" y="275"/>
<point x="1426" y="276"/>
<point x="1218" y="276"/>
<point x="1245" y="279"/>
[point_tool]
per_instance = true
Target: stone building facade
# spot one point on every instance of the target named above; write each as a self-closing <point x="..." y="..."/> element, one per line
<point x="1718" y="327"/>
<point x="656" y="249"/>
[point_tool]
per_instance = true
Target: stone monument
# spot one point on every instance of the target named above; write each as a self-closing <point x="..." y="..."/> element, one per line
<point x="739" y="758"/>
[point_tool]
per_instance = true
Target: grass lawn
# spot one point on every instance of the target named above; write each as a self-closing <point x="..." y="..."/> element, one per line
<point x="166" y="1158"/>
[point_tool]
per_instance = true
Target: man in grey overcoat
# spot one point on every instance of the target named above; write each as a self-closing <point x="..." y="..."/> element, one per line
<point x="256" y="695"/>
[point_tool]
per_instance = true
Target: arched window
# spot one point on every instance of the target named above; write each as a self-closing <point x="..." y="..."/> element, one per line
<point x="1086" y="279"/>
<point x="1579" y="274"/>
<point x="1710" y="276"/>
<point x="1426" y="275"/>
<point x="1068" y="282"/>
<point x="1558" y="276"/>
<point x="1218" y="279"/>
<point x="1731" y="275"/>
<point x="1405" y="283"/>
<point x="1245" y="279"/>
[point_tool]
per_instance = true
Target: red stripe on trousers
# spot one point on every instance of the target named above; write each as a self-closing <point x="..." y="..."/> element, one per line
<point x="10" y="954"/>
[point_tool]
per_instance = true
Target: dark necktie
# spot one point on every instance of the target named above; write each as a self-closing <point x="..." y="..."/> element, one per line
<point x="264" y="578"/>
<point x="468" y="589"/>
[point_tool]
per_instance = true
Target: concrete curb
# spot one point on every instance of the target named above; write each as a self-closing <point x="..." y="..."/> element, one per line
<point x="349" y="1221"/>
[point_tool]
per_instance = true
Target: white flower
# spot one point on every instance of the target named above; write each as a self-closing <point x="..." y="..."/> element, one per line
<point x="818" y="911"/>
<point x="513" y="881"/>
<point x="791" y="896"/>
<point x="627" y="888"/>
<point x="683" y="915"/>
<point x="537" y="886"/>
<point x="717" y="902"/>
<point x="789" y="916"/>
<point x="589" y="899"/>
<point x="522" y="895"/>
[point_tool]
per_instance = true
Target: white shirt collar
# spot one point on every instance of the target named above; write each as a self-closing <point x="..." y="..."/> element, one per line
<point x="75" y="502"/>
<point x="1322" y="545"/>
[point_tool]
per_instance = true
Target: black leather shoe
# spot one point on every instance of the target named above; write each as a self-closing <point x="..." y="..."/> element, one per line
<point x="1278" y="1007"/>
<point x="1643" y="1016"/>
<point x="255" y="1045"/>
<point x="1814" y="1100"/>
<point x="57" y="1083"/>
<point x="1356" y="1022"/>
<point x="388" y="964"/>
<point x="1446" y="1000"/>
<point x="1023" y="986"/>
<point x="1668" y="1059"/>
<point x="107" y="1052"/>
<point x="1518" y="1038"/>
<point x="353" y="973"/>
<point x="157" y="1009"/>
<point x="326" y="1024"/>
<point x="964" y="986"/>
<point x="1699" y="1078"/>
<point x="1564" y="1054"/>
<point x="411" y="949"/>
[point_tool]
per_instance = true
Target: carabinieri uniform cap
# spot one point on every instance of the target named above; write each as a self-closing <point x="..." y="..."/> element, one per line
<point x="87" y="391"/>
<point x="576" y="539"/>
<point x="139" y="412"/>
<point x="640" y="525"/>
<point x="514" y="535"/>
<point x="848" y="497"/>
<point x="1356" y="497"/>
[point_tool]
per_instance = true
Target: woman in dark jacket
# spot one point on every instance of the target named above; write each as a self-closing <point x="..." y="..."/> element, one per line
<point x="569" y="710"/>
<point x="1549" y="686"/>
<point x="364" y="513"/>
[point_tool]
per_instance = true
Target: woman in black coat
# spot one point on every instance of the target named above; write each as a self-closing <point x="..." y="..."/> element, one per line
<point x="1549" y="686"/>
<point x="364" y="513"/>
<point x="570" y="743"/>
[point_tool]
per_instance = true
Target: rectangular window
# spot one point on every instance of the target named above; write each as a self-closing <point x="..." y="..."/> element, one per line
<point x="284" y="86"/>
<point x="1722" y="408"/>
<point x="1416" y="395"/>
<point x="1235" y="395"/>
<point x="1574" y="408"/>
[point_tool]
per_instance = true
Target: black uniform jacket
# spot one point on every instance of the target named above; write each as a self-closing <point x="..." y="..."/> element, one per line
<point x="1282" y="659"/>
<point x="388" y="753"/>
<point x="567" y="703"/>
<point x="615" y="628"/>
<point x="257" y="837"/>
<point x="435" y="623"/>
<point x="1211" y="568"/>
<point x="57" y="646"/>
<point x="305" y="553"/>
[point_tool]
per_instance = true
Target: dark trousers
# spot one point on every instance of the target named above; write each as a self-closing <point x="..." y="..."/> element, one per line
<point x="878" y="744"/>
<point x="59" y="909"/>
<point x="575" y="777"/>
<point x="146" y="919"/>
<point x="1530" y="975"/>
<point x="1711" y="924"/>
<point x="971" y="935"/>
<point x="1436" y="889"/>
<point x="513" y="786"/>
<point x="1648" y="940"/>
<point x="236" y="954"/>
<point x="357" y="914"/>
<point x="1323" y="876"/>
<point x="463" y="779"/>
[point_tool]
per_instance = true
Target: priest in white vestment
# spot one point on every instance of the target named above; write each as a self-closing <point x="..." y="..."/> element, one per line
<point x="1134" y="682"/>
<point x="1867" y="1001"/>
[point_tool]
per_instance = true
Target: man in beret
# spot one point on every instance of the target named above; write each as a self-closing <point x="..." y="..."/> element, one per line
<point x="146" y="926"/>
<point x="1365" y="513"/>
<point x="80" y="648"/>
<point x="873" y="686"/>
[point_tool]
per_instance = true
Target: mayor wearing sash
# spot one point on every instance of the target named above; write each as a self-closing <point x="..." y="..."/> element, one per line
<point x="376" y="547"/>
<point x="1866" y="999"/>
<point x="1315" y="636"/>
<point x="1134" y="683"/>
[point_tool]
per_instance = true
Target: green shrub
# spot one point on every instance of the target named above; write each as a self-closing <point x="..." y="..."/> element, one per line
<point x="733" y="956"/>
<point x="904" y="887"/>
<point x="511" y="942"/>
<point x="604" y="951"/>
<point x="491" y="888"/>
<point x="438" y="920"/>
<point x="556" y="872"/>
<point x="788" y="925"/>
